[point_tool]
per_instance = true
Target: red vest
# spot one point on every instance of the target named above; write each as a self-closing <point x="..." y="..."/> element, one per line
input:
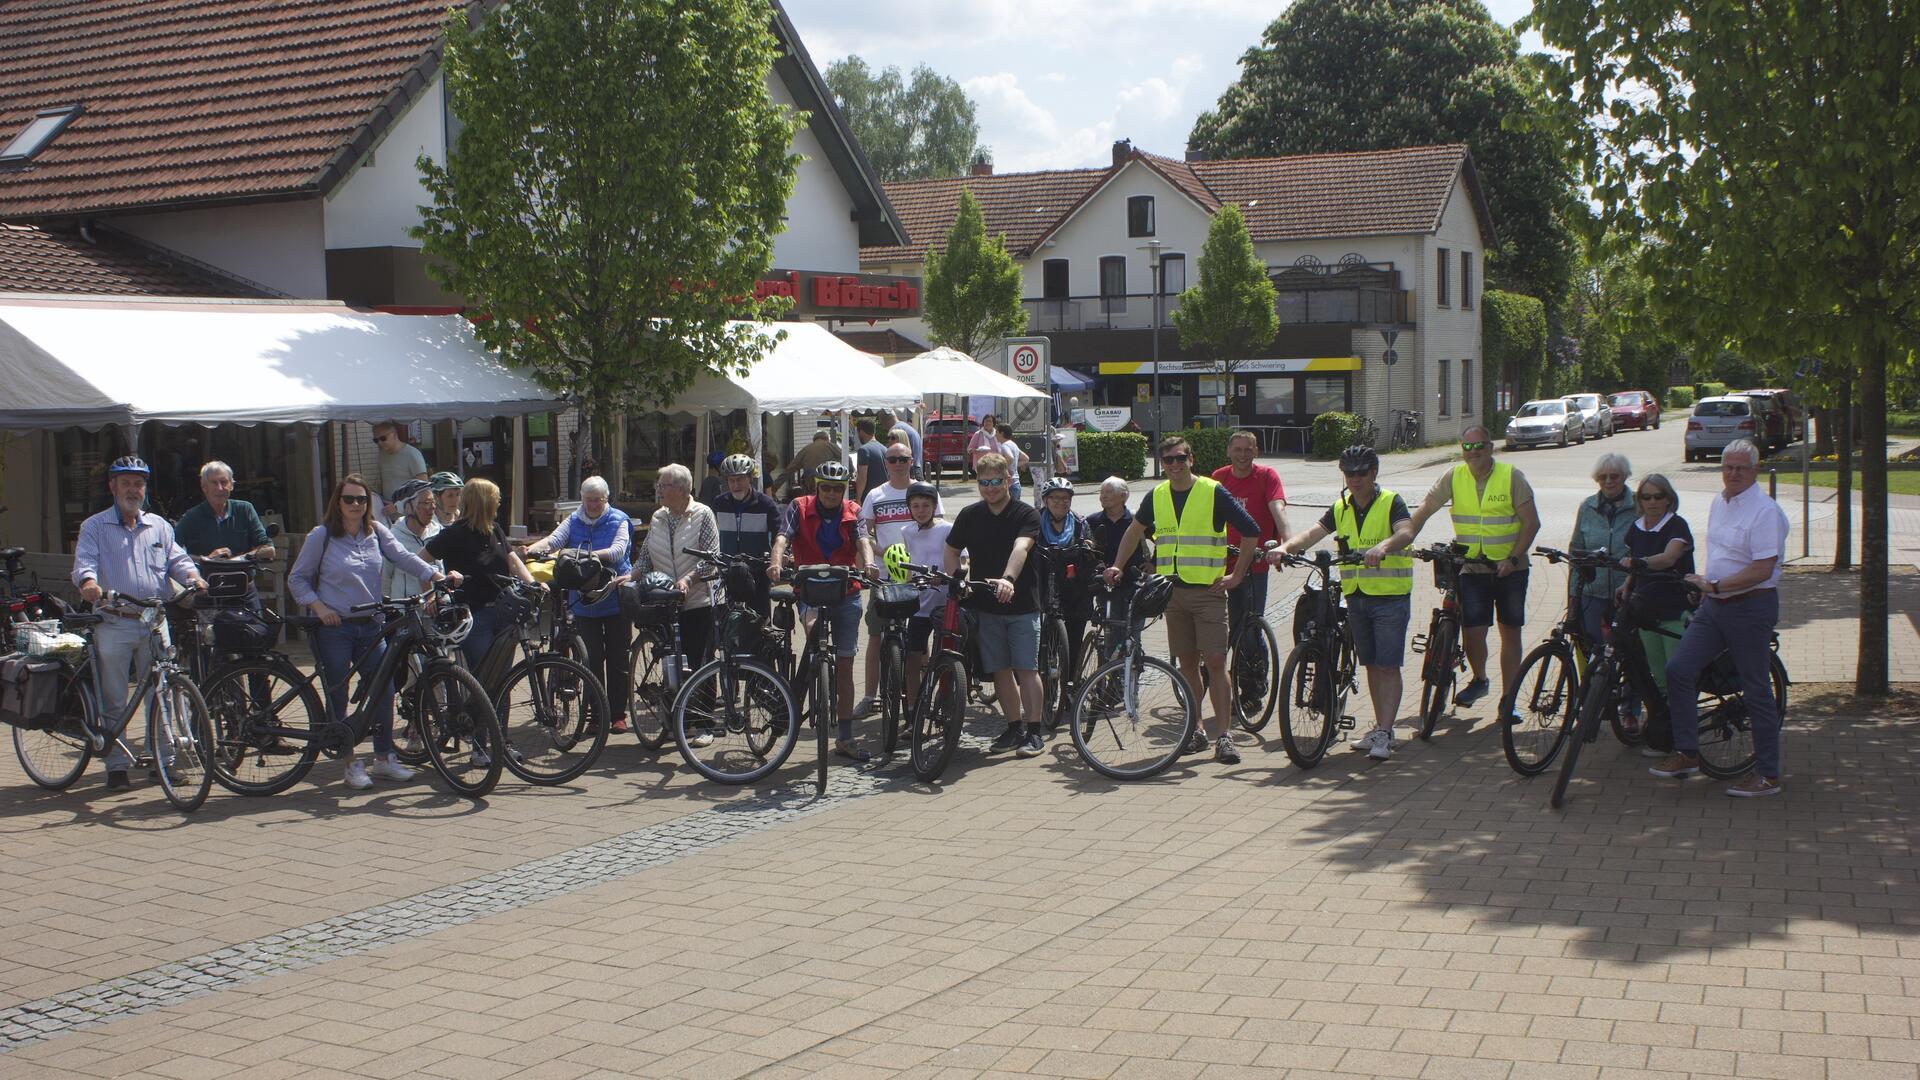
<point x="806" y="527"/>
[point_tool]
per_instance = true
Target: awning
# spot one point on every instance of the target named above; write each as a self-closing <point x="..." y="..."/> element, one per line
<point x="1069" y="381"/>
<point x="94" y="361"/>
<point x="949" y="371"/>
<point x="810" y="370"/>
<point x="1312" y="365"/>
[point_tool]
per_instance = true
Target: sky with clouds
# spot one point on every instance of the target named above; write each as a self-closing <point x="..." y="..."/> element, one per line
<point x="1057" y="81"/>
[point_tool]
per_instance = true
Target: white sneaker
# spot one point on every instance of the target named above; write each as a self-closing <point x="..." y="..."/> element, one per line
<point x="481" y="759"/>
<point x="865" y="707"/>
<point x="1648" y="751"/>
<point x="389" y="768"/>
<point x="700" y="739"/>
<point x="1377" y="743"/>
<point x="357" y="777"/>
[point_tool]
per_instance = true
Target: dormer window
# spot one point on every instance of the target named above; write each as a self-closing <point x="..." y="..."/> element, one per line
<point x="37" y="134"/>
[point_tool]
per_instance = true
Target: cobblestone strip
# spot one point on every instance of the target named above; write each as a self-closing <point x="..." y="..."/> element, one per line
<point x="428" y="912"/>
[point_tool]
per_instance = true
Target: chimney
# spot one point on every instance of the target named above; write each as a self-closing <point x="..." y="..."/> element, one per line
<point x="1122" y="152"/>
<point x="980" y="167"/>
<point x="1198" y="155"/>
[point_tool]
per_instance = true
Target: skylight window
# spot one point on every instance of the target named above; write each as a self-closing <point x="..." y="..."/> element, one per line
<point x="37" y="134"/>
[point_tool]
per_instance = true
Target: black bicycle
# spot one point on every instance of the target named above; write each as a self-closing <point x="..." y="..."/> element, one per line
<point x="1253" y="663"/>
<point x="1136" y="714"/>
<point x="736" y="719"/>
<point x="1060" y="566"/>
<point x="1446" y="658"/>
<point x="1547" y="693"/>
<point x="658" y="661"/>
<point x="939" y="713"/>
<point x="1319" y="672"/>
<point x="552" y="709"/>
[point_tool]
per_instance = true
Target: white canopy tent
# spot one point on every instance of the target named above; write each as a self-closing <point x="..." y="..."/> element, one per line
<point x="949" y="371"/>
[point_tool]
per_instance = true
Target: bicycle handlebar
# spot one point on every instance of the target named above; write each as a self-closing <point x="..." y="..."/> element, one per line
<point x="1451" y="553"/>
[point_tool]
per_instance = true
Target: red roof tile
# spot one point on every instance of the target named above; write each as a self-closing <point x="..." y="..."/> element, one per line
<point x="1023" y="206"/>
<point x="203" y="100"/>
<point x="33" y="259"/>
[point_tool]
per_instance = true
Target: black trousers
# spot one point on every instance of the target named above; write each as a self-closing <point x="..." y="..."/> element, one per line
<point x="609" y="642"/>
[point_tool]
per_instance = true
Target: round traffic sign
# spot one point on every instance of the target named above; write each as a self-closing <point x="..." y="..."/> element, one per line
<point x="1026" y="360"/>
<point x="1390" y="357"/>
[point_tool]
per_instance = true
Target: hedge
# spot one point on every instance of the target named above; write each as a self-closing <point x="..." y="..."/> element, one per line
<point x="1678" y="397"/>
<point x="1707" y="390"/>
<point x="1334" y="432"/>
<point x="1209" y="448"/>
<point x="1513" y="330"/>
<point x="1112" y="453"/>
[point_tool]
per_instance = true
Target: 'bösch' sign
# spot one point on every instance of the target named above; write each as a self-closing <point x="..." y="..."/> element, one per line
<point x="852" y="295"/>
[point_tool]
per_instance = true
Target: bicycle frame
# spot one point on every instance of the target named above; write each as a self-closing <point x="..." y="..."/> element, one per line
<point x="114" y="730"/>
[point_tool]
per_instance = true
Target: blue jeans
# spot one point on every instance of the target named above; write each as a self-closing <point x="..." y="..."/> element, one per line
<point x="1593" y="621"/>
<point x="337" y="648"/>
<point x="1379" y="628"/>
<point x="125" y="652"/>
<point x="1744" y="628"/>
<point x="474" y="649"/>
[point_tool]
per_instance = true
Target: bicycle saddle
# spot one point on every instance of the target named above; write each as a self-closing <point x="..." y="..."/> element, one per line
<point x="12" y="553"/>
<point x="782" y="594"/>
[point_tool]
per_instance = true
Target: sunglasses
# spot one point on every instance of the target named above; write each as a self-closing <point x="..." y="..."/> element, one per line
<point x="379" y="439"/>
<point x="993" y="482"/>
<point x="1653" y="496"/>
<point x="899" y="460"/>
<point x="355" y="500"/>
<point x="1176" y="459"/>
<point x="830" y="488"/>
<point x="1470" y="447"/>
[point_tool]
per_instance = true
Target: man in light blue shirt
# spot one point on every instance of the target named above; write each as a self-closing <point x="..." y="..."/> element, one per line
<point x="123" y="549"/>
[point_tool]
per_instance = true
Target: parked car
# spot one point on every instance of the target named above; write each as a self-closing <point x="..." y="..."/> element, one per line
<point x="1594" y="414"/>
<point x="1549" y="420"/>
<point x="1787" y="407"/>
<point x="1635" y="409"/>
<point x="944" y="443"/>
<point x="1769" y="421"/>
<point x="1717" y="421"/>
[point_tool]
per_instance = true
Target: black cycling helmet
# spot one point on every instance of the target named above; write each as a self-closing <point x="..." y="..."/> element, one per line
<point x="1358" y="459"/>
<point x="920" y="489"/>
<point x="737" y="465"/>
<point x="129" y="465"/>
<point x="405" y="493"/>
<point x="831" y="472"/>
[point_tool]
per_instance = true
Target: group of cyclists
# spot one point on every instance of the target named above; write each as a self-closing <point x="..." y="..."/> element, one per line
<point x="1209" y="542"/>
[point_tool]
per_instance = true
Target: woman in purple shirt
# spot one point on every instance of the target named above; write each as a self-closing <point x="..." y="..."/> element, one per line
<point x="338" y="570"/>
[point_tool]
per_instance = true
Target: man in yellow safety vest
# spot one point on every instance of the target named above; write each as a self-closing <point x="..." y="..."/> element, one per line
<point x="1494" y="516"/>
<point x="1188" y="516"/>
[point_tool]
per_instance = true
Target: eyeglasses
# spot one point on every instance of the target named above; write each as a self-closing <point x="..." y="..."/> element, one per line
<point x="891" y="460"/>
<point x="993" y="481"/>
<point x="1176" y="459"/>
<point x="1653" y="496"/>
<point x="355" y="500"/>
<point x="1470" y="447"/>
<point x="833" y="489"/>
<point x="1724" y="467"/>
<point x="1611" y="476"/>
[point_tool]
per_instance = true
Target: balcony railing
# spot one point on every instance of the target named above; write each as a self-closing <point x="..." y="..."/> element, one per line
<point x="1342" y="306"/>
<point x="1134" y="311"/>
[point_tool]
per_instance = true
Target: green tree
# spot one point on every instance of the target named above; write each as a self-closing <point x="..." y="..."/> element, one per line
<point x="910" y="129"/>
<point x="972" y="292"/>
<point x="1764" y="154"/>
<point x="1228" y="315"/>
<point x="606" y="220"/>
<point x="1513" y="338"/>
<point x="1376" y="74"/>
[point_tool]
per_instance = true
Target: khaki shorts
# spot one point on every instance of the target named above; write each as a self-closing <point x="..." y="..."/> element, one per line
<point x="1196" y="622"/>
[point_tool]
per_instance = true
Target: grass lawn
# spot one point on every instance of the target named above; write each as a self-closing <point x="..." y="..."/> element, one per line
<point x="1899" y="481"/>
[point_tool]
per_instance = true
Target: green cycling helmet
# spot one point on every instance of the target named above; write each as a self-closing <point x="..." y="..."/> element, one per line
<point x="895" y="559"/>
<point x="445" y="481"/>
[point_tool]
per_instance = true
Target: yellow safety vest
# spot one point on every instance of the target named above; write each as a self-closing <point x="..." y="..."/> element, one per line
<point x="1394" y="576"/>
<point x="1187" y="546"/>
<point x="1486" y="523"/>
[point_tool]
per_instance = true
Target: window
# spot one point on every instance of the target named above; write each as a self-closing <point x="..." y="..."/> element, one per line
<point x="1173" y="274"/>
<point x="1140" y="215"/>
<point x="1466" y="281"/>
<point x="1274" y="397"/>
<point x="1113" y="283"/>
<point x="37" y="134"/>
<point x="1446" y="387"/>
<point x="1441" y="285"/>
<point x="1466" y="388"/>
<point x="1326" y="393"/>
<point x="1053" y="279"/>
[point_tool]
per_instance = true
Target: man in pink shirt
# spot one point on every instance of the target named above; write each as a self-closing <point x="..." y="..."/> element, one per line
<point x="1258" y="490"/>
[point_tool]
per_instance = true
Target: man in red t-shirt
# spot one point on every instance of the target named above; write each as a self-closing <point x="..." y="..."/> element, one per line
<point x="1258" y="490"/>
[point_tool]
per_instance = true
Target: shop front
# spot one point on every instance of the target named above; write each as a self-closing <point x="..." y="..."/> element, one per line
<point x="1274" y="396"/>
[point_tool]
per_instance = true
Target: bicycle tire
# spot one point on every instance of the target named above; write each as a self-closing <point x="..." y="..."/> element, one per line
<point x="1617" y="718"/>
<point x="707" y="705"/>
<point x="650" y="710"/>
<point x="893" y="693"/>
<point x="1726" y="733"/>
<point x="1308" y="684"/>
<point x="1054" y="655"/>
<point x="244" y="728"/>
<point x="182" y="725"/>
<point x="1436" y="682"/>
<point x="1551" y="704"/>
<point x="458" y="721"/>
<point x="55" y="757"/>
<point x="1592" y="704"/>
<point x="1252" y="711"/>
<point x="939" y="716"/>
<point x="1103" y="705"/>
<point x="559" y="730"/>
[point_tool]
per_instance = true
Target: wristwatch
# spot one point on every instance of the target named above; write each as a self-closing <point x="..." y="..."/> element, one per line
<point x="1715" y="586"/>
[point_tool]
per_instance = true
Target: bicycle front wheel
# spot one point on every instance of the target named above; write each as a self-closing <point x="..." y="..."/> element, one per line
<point x="938" y="717"/>
<point x="1133" y="718"/>
<point x="57" y="756"/>
<point x="1311" y="715"/>
<point x="1593" y="706"/>
<point x="1436" y="682"/>
<point x="181" y="737"/>
<point x="650" y="710"/>
<point x="461" y="732"/>
<point x="735" y="721"/>
<point x="264" y="714"/>
<point x="893" y="694"/>
<point x="553" y="715"/>
<point x="1055" y="665"/>
<point x="1547" y="701"/>
<point x="1255" y="669"/>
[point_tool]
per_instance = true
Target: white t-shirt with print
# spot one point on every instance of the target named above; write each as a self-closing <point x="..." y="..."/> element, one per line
<point x="884" y="517"/>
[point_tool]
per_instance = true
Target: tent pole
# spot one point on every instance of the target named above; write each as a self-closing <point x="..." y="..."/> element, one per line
<point x="517" y="475"/>
<point x="319" y="480"/>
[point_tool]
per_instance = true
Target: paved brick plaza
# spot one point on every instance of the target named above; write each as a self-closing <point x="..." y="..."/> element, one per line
<point x="1426" y="917"/>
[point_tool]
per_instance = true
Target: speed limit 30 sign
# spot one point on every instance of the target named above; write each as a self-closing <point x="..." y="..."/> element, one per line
<point x="1027" y="361"/>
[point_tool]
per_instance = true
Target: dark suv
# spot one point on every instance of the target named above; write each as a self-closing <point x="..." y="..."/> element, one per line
<point x="1784" y="413"/>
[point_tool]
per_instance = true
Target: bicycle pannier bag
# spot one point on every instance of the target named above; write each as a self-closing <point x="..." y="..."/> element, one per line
<point x="578" y="570"/>
<point x="821" y="586"/>
<point x="648" y="603"/>
<point x="239" y="630"/>
<point x="1305" y="610"/>
<point x="896" y="601"/>
<point x="29" y="692"/>
<point x="227" y="579"/>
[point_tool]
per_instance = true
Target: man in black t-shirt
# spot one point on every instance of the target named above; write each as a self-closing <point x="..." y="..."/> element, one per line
<point x="998" y="534"/>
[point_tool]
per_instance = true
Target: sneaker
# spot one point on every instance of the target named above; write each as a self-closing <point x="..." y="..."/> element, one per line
<point x="1224" y="752"/>
<point x="1377" y="743"/>
<point x="1033" y="745"/>
<point x="1754" y="786"/>
<point x="1652" y="752"/>
<point x="1471" y="693"/>
<point x="864" y="707"/>
<point x="117" y="780"/>
<point x="1196" y="742"/>
<point x="700" y="739"/>
<point x="1676" y="765"/>
<point x="481" y="759"/>
<point x="619" y="726"/>
<point x="1010" y="738"/>
<point x="389" y="768"/>
<point x="357" y="777"/>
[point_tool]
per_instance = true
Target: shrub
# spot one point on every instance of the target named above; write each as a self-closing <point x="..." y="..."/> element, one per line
<point x="1112" y="453"/>
<point x="1708" y="389"/>
<point x="1334" y="432"/>
<point x="1209" y="448"/>
<point x="1678" y="397"/>
<point x="1514" y="341"/>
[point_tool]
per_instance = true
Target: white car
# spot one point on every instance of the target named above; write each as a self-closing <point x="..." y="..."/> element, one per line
<point x="1595" y="417"/>
<point x="1549" y="420"/>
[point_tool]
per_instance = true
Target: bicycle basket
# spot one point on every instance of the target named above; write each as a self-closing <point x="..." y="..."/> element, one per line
<point x="227" y="579"/>
<point x="821" y="586"/>
<point x="239" y="630"/>
<point x="1150" y="598"/>
<point x="29" y="692"/>
<point x="896" y="601"/>
<point x="578" y="571"/>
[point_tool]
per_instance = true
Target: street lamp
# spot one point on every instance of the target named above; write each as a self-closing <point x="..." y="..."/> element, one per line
<point x="1152" y="248"/>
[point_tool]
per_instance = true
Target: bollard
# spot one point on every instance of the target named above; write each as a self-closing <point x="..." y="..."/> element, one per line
<point x="1773" y="483"/>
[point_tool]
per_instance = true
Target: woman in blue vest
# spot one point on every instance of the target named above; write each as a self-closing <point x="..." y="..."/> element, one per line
<point x="608" y="635"/>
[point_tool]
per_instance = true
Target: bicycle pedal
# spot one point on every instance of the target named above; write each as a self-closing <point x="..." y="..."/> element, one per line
<point x="1418" y="643"/>
<point x="1345" y="723"/>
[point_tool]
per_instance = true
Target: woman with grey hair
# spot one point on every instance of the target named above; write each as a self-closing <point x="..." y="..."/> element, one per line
<point x="1601" y="525"/>
<point x="1661" y="537"/>
<point x="605" y="531"/>
<point x="680" y="526"/>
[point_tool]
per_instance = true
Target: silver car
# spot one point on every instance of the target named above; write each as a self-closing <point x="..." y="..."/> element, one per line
<point x="1595" y="417"/>
<point x="1549" y="420"/>
<point x="1717" y="421"/>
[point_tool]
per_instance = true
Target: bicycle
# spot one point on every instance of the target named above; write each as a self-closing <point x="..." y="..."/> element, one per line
<point x="896" y="602"/>
<point x="1367" y="432"/>
<point x="1319" y="672"/>
<point x="552" y="710"/>
<point x="177" y="722"/>
<point x="1445" y="656"/>
<point x="1406" y="430"/>
<point x="939" y="713"/>
<point x="33" y="605"/>
<point x="1253" y="668"/>
<point x="1726" y="740"/>
<point x="658" y="661"/>
<point x="739" y="707"/>
<point x="1056" y="656"/>
<point x="815" y="681"/>
<point x="1135" y="714"/>
<point x="1551" y="682"/>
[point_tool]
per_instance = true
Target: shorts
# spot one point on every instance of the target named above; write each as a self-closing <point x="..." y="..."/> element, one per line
<point x="1379" y="628"/>
<point x="1196" y="622"/>
<point x="872" y="621"/>
<point x="846" y="625"/>
<point x="919" y="635"/>
<point x="1484" y="595"/>
<point x="1007" y="641"/>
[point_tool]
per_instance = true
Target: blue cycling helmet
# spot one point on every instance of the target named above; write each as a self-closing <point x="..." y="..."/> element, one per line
<point x="129" y="465"/>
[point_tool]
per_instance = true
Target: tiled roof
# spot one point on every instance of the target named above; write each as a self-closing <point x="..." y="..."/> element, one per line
<point x="199" y="100"/>
<point x="1364" y="193"/>
<point x="39" y="260"/>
